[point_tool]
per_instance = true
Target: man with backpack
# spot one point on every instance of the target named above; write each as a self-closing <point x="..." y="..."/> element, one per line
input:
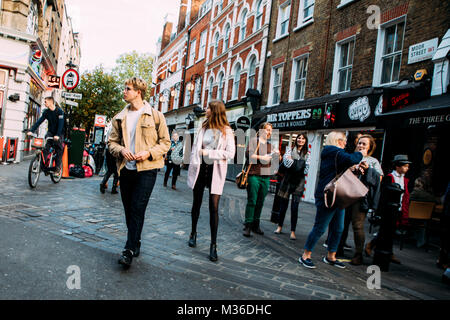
<point x="139" y="139"/>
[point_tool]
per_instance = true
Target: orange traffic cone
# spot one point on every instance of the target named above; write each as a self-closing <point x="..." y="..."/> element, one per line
<point x="65" y="163"/>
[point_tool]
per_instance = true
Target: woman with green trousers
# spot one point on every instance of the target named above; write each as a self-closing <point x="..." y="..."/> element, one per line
<point x="260" y="155"/>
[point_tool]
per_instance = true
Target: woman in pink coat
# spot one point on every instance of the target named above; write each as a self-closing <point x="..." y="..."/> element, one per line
<point x="212" y="147"/>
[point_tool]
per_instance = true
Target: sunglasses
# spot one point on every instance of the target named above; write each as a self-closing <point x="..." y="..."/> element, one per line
<point x="128" y="89"/>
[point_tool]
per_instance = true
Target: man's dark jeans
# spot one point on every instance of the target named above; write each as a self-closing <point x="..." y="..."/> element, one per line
<point x="57" y="146"/>
<point x="135" y="189"/>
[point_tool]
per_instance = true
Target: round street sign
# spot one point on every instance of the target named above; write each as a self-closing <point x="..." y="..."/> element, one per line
<point x="100" y="121"/>
<point x="70" y="79"/>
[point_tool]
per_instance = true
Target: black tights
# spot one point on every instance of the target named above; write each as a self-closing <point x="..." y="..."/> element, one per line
<point x="203" y="181"/>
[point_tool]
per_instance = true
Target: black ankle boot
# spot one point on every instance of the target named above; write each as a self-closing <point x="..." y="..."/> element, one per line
<point x="193" y="240"/>
<point x="256" y="229"/>
<point x="213" y="252"/>
<point x="247" y="230"/>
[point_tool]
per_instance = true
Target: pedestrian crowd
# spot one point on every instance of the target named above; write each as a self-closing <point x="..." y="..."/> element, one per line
<point x="141" y="145"/>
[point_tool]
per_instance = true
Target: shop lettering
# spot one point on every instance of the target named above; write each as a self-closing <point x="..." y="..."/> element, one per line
<point x="288" y="116"/>
<point x="430" y="119"/>
<point x="396" y="100"/>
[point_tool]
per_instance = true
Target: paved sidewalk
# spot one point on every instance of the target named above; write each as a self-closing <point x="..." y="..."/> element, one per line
<point x="265" y="267"/>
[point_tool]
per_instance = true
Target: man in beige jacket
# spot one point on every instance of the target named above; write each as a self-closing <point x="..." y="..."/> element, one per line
<point x="139" y="138"/>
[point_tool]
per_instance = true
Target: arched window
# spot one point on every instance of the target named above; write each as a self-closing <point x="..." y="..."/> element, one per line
<point x="243" y="24"/>
<point x="210" y="89"/>
<point x="252" y="74"/>
<point x="237" y="79"/>
<point x="226" y="41"/>
<point x="259" y="14"/>
<point x="216" y="44"/>
<point x="221" y="86"/>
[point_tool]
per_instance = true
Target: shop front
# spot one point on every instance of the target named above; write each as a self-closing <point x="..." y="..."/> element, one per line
<point x="353" y="112"/>
<point x="421" y="131"/>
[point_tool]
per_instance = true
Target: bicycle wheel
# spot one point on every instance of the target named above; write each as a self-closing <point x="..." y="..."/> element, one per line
<point x="34" y="171"/>
<point x="56" y="178"/>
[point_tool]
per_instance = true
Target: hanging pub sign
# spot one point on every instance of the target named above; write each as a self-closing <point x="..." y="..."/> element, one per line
<point x="400" y="97"/>
<point x="35" y="62"/>
<point x="243" y="122"/>
<point x="54" y="82"/>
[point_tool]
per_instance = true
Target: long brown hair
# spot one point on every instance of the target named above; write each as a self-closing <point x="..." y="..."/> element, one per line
<point x="218" y="119"/>
<point x="372" y="143"/>
<point x="304" y="150"/>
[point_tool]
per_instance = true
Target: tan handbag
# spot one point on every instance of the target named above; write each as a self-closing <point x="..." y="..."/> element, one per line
<point x="344" y="190"/>
<point x="242" y="177"/>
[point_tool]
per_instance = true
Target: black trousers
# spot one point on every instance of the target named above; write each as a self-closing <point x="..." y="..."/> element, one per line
<point x="111" y="169"/>
<point x="176" y="172"/>
<point x="135" y="190"/>
<point x="204" y="180"/>
<point x="57" y="146"/>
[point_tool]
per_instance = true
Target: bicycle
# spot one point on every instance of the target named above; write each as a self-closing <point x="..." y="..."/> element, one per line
<point x="39" y="163"/>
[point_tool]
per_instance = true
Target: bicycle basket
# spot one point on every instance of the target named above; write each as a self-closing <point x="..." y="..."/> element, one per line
<point x="38" y="142"/>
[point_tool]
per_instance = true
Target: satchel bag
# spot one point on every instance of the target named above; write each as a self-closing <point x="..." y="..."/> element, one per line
<point x="242" y="177"/>
<point x="344" y="190"/>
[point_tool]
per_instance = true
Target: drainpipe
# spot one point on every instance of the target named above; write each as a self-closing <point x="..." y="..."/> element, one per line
<point x="324" y="65"/>
<point x="183" y="79"/>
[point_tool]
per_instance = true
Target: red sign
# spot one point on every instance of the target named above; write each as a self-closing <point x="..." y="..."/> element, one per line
<point x="100" y="121"/>
<point x="70" y="79"/>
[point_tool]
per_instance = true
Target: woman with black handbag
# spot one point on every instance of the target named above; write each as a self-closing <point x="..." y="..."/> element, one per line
<point x="293" y="183"/>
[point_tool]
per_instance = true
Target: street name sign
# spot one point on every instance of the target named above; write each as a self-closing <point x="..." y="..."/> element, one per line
<point x="71" y="95"/>
<point x="71" y="103"/>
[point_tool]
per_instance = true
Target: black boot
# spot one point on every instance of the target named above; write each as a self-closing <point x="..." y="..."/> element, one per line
<point x="103" y="187"/>
<point x="247" y="230"/>
<point x="138" y="250"/>
<point x="256" y="229"/>
<point x="126" y="258"/>
<point x="213" y="252"/>
<point x="193" y="240"/>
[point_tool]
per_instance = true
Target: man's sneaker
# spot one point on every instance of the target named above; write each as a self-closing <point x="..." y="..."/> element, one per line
<point x="307" y="263"/>
<point x="335" y="263"/>
<point x="126" y="258"/>
<point x="325" y="245"/>
<point x="138" y="250"/>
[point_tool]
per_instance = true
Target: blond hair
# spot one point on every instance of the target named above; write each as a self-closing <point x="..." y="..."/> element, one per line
<point x="138" y="84"/>
<point x="333" y="138"/>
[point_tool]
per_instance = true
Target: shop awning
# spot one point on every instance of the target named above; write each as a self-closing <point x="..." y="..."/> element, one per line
<point x="433" y="111"/>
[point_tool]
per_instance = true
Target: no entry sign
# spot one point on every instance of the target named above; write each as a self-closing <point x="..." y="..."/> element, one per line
<point x="70" y="79"/>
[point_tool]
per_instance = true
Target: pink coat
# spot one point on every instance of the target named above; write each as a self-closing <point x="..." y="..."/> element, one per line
<point x="225" y="150"/>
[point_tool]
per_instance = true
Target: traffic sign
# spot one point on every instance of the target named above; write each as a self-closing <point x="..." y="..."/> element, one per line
<point x="71" y="103"/>
<point x="71" y="95"/>
<point x="100" y="121"/>
<point x="70" y="79"/>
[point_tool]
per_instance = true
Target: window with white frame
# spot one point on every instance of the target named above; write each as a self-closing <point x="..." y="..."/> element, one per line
<point x="192" y="52"/>
<point x="32" y="21"/>
<point x="187" y="97"/>
<point x="259" y="14"/>
<point x="216" y="45"/>
<point x="342" y="76"/>
<point x="391" y="52"/>
<point x="198" y="90"/>
<point x="300" y="70"/>
<point x="176" y="98"/>
<point x="306" y="11"/>
<point x="221" y="83"/>
<point x="210" y="89"/>
<point x="226" y="40"/>
<point x="243" y="24"/>
<point x="202" y="45"/>
<point x="277" y="75"/>
<point x="220" y="6"/>
<point x="251" y="74"/>
<point x="283" y="19"/>
<point x="236" y="81"/>
<point x="205" y="7"/>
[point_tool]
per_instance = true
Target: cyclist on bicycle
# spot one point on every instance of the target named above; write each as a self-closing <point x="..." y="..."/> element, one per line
<point x="55" y="117"/>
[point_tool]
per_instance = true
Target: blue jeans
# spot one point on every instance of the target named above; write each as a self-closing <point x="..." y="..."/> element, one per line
<point x="334" y="218"/>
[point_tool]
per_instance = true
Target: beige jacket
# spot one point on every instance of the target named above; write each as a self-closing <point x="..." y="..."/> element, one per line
<point x="150" y="136"/>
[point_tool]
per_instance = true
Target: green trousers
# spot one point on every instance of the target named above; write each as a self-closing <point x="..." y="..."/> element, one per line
<point x="257" y="189"/>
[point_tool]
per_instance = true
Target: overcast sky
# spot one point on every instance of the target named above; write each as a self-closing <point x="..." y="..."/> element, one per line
<point x="109" y="28"/>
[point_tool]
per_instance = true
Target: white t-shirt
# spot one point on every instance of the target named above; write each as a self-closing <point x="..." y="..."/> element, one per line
<point x="132" y="120"/>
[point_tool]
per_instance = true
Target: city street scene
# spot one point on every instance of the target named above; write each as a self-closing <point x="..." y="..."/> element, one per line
<point x="319" y="130"/>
